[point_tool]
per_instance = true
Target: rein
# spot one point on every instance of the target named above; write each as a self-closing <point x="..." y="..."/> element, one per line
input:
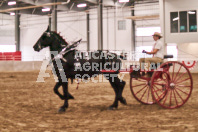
<point x="65" y="50"/>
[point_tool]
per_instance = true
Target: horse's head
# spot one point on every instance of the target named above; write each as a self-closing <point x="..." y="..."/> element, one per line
<point x="44" y="41"/>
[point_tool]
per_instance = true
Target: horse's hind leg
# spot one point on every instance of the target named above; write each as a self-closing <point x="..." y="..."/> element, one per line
<point x="115" y="103"/>
<point x="116" y="90"/>
<point x="118" y="86"/>
<point x="66" y="97"/>
<point x="57" y="85"/>
<point x="121" y="88"/>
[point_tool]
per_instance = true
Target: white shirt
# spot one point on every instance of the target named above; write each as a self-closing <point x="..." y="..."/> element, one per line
<point x="159" y="45"/>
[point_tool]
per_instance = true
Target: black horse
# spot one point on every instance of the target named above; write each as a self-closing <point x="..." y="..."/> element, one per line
<point x="75" y="66"/>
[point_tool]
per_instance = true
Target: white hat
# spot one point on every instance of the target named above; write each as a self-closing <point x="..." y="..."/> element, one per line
<point x="157" y="34"/>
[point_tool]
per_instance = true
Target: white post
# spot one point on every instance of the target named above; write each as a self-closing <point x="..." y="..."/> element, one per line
<point x="162" y="22"/>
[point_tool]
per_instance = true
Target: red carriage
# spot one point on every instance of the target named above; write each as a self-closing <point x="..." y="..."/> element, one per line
<point x="170" y="85"/>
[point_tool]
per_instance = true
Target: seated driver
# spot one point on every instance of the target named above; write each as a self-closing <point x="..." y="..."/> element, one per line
<point x="157" y="52"/>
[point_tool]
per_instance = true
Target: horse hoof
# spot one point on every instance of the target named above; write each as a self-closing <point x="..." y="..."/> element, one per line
<point x="61" y="110"/>
<point x="112" y="108"/>
<point x="123" y="101"/>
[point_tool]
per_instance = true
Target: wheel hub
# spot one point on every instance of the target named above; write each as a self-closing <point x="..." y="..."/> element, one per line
<point x="148" y="83"/>
<point x="172" y="85"/>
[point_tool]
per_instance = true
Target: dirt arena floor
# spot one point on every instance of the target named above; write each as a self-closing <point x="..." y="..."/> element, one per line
<point x="26" y="105"/>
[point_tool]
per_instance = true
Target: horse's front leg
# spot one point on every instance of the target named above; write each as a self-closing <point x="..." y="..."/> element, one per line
<point x="56" y="87"/>
<point x="66" y="97"/>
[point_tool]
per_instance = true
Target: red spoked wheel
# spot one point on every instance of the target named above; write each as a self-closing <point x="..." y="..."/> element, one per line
<point x="141" y="90"/>
<point x="172" y="86"/>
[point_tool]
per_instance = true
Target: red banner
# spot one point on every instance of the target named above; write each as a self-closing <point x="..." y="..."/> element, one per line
<point x="10" y="56"/>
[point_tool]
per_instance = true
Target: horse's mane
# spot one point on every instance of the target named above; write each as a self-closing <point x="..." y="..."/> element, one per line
<point x="60" y="38"/>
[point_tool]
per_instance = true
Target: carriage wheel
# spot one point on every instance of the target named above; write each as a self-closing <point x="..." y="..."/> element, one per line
<point x="172" y="86"/>
<point x="141" y="90"/>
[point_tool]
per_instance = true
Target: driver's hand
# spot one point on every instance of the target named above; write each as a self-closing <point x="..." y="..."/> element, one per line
<point x="143" y="51"/>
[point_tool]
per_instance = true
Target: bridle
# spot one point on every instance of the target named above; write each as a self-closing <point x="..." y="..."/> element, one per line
<point x="39" y="43"/>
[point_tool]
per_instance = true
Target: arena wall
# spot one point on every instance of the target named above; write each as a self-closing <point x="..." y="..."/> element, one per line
<point x="174" y="6"/>
<point x="72" y="26"/>
<point x="187" y="43"/>
<point x="18" y="66"/>
<point x="6" y="30"/>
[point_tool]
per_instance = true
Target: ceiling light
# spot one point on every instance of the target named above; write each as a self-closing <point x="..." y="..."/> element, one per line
<point x="82" y="5"/>
<point x="122" y="1"/>
<point x="12" y="14"/>
<point x="175" y="19"/>
<point x="191" y="12"/>
<point x="12" y="3"/>
<point x="45" y="9"/>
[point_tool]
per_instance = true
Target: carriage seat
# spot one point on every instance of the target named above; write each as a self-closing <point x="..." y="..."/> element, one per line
<point x="136" y="74"/>
<point x="165" y="57"/>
